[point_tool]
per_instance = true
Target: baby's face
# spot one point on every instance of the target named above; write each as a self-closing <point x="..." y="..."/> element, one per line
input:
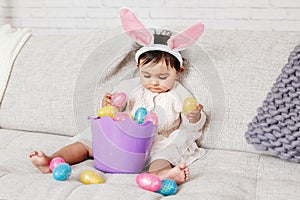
<point x="158" y="78"/>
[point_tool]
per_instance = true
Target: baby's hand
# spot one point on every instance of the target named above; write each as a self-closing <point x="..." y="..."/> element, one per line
<point x="195" y="115"/>
<point x="106" y="101"/>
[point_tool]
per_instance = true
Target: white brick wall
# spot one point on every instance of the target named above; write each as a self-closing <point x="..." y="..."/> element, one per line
<point x="74" y="16"/>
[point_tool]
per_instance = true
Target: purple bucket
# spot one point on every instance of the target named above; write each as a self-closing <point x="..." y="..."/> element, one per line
<point x="121" y="146"/>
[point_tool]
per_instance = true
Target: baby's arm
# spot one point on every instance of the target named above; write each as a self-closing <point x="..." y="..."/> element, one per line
<point x="194" y="120"/>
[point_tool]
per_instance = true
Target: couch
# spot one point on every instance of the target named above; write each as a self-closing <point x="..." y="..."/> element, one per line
<point x="51" y="91"/>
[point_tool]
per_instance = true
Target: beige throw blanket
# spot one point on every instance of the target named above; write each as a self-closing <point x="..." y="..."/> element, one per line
<point x="11" y="42"/>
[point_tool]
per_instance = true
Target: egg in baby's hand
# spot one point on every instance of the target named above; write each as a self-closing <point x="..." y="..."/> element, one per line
<point x="119" y="99"/>
<point x="189" y="104"/>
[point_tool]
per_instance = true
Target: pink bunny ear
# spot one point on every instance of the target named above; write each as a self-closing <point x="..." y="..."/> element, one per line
<point x="134" y="27"/>
<point x="186" y="38"/>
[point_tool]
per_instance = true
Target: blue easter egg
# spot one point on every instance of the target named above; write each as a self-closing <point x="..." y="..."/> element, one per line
<point x="140" y="115"/>
<point x="62" y="171"/>
<point x="168" y="187"/>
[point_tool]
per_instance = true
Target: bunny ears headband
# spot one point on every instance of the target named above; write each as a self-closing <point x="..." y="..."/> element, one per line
<point x="136" y="30"/>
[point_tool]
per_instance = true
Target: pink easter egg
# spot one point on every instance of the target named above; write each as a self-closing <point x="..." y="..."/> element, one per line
<point x="55" y="162"/>
<point x="118" y="99"/>
<point x="151" y="117"/>
<point x="120" y="116"/>
<point x="148" y="182"/>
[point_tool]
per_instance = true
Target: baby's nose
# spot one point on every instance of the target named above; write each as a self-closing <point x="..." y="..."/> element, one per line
<point x="155" y="82"/>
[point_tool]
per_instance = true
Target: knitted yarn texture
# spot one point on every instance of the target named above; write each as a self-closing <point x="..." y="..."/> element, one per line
<point x="276" y="127"/>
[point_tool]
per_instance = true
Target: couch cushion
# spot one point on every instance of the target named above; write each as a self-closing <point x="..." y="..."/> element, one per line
<point x="60" y="74"/>
<point x="248" y="63"/>
<point x="52" y="72"/>
<point x="19" y="144"/>
<point x="246" y="176"/>
<point x="39" y="96"/>
<point x="213" y="177"/>
<point x="277" y="179"/>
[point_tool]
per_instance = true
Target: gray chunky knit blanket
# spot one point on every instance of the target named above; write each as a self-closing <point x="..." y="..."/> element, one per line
<point x="276" y="127"/>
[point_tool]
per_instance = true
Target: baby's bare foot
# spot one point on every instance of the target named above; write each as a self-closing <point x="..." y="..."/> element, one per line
<point x="179" y="174"/>
<point x="40" y="161"/>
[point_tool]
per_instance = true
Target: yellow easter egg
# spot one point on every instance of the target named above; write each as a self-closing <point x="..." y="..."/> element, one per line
<point x="109" y="111"/>
<point x="90" y="177"/>
<point x="189" y="104"/>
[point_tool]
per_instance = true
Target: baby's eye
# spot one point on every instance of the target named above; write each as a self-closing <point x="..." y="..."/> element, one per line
<point x="147" y="76"/>
<point x="163" y="77"/>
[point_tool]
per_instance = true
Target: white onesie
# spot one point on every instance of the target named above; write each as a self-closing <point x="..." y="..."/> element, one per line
<point x="175" y="138"/>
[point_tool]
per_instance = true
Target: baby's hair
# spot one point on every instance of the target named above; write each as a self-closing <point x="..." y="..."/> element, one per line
<point x="156" y="56"/>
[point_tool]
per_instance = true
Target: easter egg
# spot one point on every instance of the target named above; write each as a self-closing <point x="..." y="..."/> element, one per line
<point x="62" y="171"/>
<point x="55" y="162"/>
<point x="151" y="117"/>
<point x="109" y="111"/>
<point x="120" y="116"/>
<point x="189" y="104"/>
<point x="90" y="177"/>
<point x="148" y="182"/>
<point x="168" y="187"/>
<point x="140" y="115"/>
<point x="119" y="99"/>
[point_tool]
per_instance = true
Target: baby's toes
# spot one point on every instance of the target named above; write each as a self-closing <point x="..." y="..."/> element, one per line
<point x="186" y="173"/>
<point x="34" y="153"/>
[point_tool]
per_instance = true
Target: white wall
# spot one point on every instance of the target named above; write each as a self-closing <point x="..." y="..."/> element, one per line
<point x="74" y="16"/>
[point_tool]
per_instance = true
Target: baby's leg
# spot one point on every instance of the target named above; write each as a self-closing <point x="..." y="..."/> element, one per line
<point x="72" y="154"/>
<point x="164" y="170"/>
